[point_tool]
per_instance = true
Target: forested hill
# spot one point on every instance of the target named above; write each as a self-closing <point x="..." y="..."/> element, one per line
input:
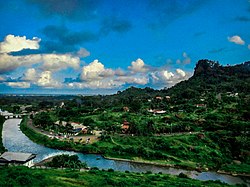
<point x="211" y="77"/>
<point x="210" y="80"/>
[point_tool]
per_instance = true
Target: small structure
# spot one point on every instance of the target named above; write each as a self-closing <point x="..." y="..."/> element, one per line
<point x="125" y="126"/>
<point x="168" y="97"/>
<point x="125" y="109"/>
<point x="63" y="123"/>
<point x="17" y="158"/>
<point x="157" y="111"/>
<point x="200" y="105"/>
<point x="158" y="97"/>
<point x="78" y="127"/>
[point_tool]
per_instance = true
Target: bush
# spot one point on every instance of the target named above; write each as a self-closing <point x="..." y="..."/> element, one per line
<point x="182" y="175"/>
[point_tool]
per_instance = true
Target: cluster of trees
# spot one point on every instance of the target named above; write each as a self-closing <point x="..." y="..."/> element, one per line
<point x="66" y="161"/>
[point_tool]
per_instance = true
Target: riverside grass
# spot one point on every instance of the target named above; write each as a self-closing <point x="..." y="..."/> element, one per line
<point x="22" y="176"/>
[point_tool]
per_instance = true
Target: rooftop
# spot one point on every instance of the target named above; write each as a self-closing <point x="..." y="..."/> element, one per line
<point x="17" y="157"/>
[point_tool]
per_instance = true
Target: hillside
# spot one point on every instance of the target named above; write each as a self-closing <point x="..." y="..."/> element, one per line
<point x="210" y="77"/>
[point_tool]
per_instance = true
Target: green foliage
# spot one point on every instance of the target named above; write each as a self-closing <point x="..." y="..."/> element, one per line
<point x="66" y="161"/>
<point x="22" y="176"/>
<point x="43" y="120"/>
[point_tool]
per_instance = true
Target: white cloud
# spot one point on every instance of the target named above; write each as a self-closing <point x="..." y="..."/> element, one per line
<point x="181" y="72"/>
<point x="30" y="75"/>
<point x="83" y="52"/>
<point x="18" y="84"/>
<point x="138" y="66"/>
<point x="96" y="84"/>
<point x="45" y="80"/>
<point x="167" y="78"/>
<point x="95" y="71"/>
<point x="10" y="63"/>
<point x="133" y="80"/>
<point x="236" y="39"/>
<point x="56" y="62"/>
<point x="120" y="72"/>
<point x="13" y="43"/>
<point x="167" y="75"/>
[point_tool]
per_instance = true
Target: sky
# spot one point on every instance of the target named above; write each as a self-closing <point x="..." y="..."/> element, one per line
<point x="102" y="46"/>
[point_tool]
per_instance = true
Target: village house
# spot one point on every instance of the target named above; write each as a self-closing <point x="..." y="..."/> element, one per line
<point x="78" y="127"/>
<point x="168" y="97"/>
<point x="157" y="111"/>
<point x="158" y="97"/>
<point x="63" y="123"/>
<point x="17" y="158"/>
<point x="125" y="126"/>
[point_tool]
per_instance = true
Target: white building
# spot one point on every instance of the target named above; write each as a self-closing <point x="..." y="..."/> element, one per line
<point x="17" y="158"/>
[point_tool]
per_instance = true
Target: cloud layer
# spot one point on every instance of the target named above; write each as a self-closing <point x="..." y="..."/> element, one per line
<point x="43" y="70"/>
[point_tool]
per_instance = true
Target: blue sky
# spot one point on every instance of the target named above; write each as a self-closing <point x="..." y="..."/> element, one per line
<point x="102" y="46"/>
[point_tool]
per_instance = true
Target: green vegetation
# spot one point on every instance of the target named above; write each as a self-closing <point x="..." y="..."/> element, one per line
<point x="2" y="149"/>
<point x="66" y="161"/>
<point x="203" y="122"/>
<point x="22" y="176"/>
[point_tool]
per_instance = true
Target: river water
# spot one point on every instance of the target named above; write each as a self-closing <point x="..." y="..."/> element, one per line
<point x="14" y="140"/>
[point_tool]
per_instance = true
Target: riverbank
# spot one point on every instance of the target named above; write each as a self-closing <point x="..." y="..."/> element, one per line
<point x="93" y="149"/>
<point x="16" y="141"/>
<point x="2" y="148"/>
<point x="83" y="148"/>
<point x="22" y="176"/>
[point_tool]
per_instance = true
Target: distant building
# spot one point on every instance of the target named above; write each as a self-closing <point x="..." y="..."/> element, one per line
<point x="168" y="97"/>
<point x="201" y="105"/>
<point x="158" y="97"/>
<point x="125" y="109"/>
<point x="17" y="158"/>
<point x="63" y="123"/>
<point x="157" y="111"/>
<point x="125" y="126"/>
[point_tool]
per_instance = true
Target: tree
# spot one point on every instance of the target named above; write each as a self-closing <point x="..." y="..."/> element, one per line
<point x="43" y="120"/>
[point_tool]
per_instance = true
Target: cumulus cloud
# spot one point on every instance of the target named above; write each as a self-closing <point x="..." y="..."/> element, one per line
<point x="138" y="66"/>
<point x="167" y="78"/>
<point x="141" y="80"/>
<point x="30" y="75"/>
<point x="181" y="72"/>
<point x="9" y="63"/>
<point x="236" y="39"/>
<point x="18" y="84"/>
<point x="51" y="62"/>
<point x="95" y="71"/>
<point x="55" y="62"/>
<point x="13" y="43"/>
<point x="167" y="75"/>
<point x="45" y="80"/>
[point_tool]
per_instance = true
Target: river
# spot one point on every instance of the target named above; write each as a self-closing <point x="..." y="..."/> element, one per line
<point x="14" y="140"/>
